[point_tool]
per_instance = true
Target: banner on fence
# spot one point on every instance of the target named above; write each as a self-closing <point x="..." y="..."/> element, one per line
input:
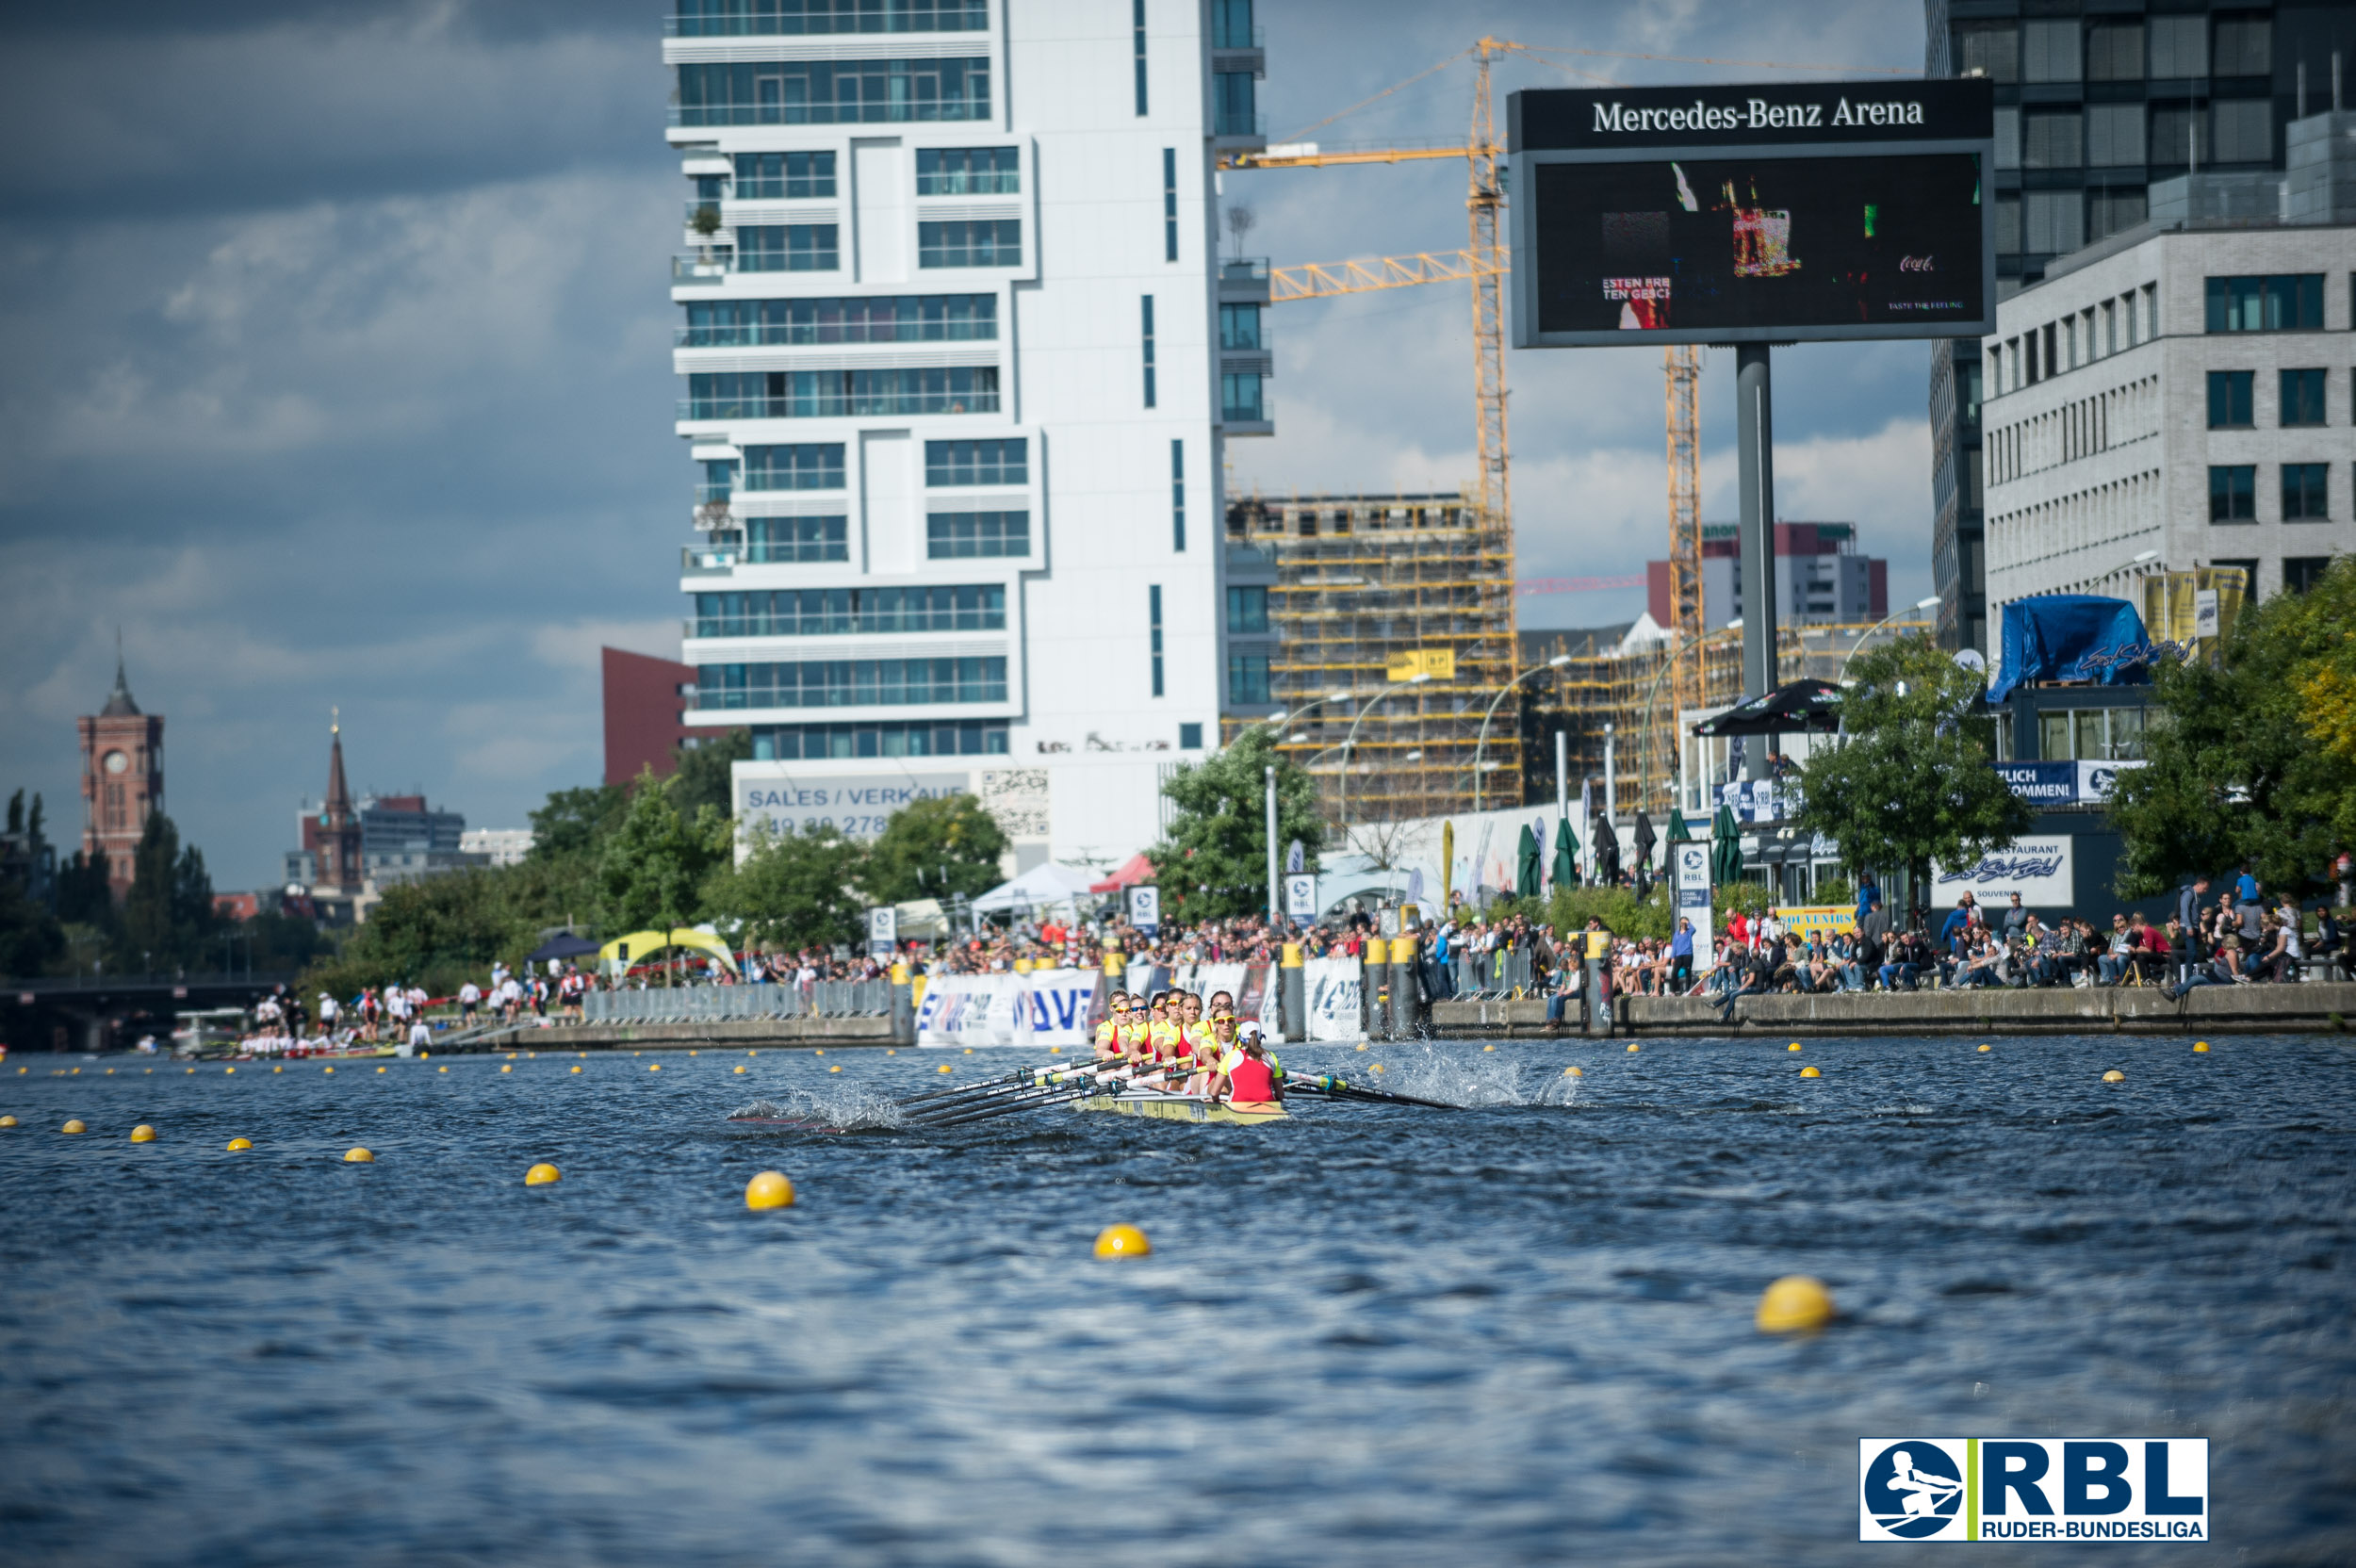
<point x="1047" y="1006"/>
<point x="1336" y="998"/>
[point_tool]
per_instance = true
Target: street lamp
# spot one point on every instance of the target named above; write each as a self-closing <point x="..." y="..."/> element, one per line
<point x="1351" y="739"/>
<point x="1842" y="674"/>
<point x="1482" y="744"/>
<point x="1280" y="720"/>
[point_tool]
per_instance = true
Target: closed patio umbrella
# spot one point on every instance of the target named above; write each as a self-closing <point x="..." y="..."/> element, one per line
<point x="1726" y="848"/>
<point x="1565" y="854"/>
<point x="1526" y="865"/>
<point x="1606" y="853"/>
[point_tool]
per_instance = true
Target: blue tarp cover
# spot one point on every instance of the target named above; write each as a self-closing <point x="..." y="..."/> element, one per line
<point x="2072" y="637"/>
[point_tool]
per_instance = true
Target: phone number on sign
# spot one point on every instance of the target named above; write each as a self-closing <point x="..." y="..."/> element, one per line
<point x="850" y="827"/>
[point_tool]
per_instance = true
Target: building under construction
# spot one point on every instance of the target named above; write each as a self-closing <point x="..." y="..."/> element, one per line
<point x="1364" y="593"/>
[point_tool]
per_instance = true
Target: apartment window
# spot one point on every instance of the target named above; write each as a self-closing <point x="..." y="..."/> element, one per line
<point x="1992" y="51"/>
<point x="1137" y="29"/>
<point x="2241" y="131"/>
<point x="838" y="393"/>
<point x="851" y="683"/>
<point x="1239" y="326"/>
<point x="976" y="242"/>
<point x="2244" y="47"/>
<point x="2303" y="397"/>
<point x="1233" y="108"/>
<point x="2110" y="212"/>
<point x="747" y="18"/>
<point x="969" y="170"/>
<point x="2115" y="135"/>
<point x="794" y="742"/>
<point x="880" y="319"/>
<point x="2056" y="221"/>
<point x="1153" y="616"/>
<point x="2049" y="52"/>
<point x="1247" y="678"/>
<point x="976" y="535"/>
<point x="1240" y="398"/>
<point x="2306" y="493"/>
<point x="2233" y="493"/>
<point x="1231" y="25"/>
<point x="2173" y="133"/>
<point x="1246" y="610"/>
<point x="773" y="540"/>
<point x="2179" y="47"/>
<point x="1178" y="495"/>
<point x="2115" y="54"/>
<point x="817" y="465"/>
<point x="848" y="612"/>
<point x="2007" y="138"/>
<point x="1004" y="461"/>
<point x="2290" y="302"/>
<point x="1147" y="303"/>
<point x="786" y="248"/>
<point x="2008" y="225"/>
<point x="833" y="92"/>
<point x="2053" y="140"/>
<point x="2151" y="310"/>
<point x="1170" y="203"/>
<point x="783" y="177"/>
<point x="718" y="483"/>
<point x="2230" y="404"/>
<point x="2090" y="734"/>
<point x="2303" y="572"/>
<point x="1190" y="737"/>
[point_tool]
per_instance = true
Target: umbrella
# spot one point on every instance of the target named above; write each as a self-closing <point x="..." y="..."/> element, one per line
<point x="563" y="946"/>
<point x="1726" y="848"/>
<point x="1525" y="868"/>
<point x="1606" y="853"/>
<point x="1448" y="864"/>
<point x="1644" y="841"/>
<point x="1795" y="704"/>
<point x="1565" y="855"/>
<point x="1679" y="832"/>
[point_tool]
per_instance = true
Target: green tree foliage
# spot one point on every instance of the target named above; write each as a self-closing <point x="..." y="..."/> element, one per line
<point x="933" y="849"/>
<point x="30" y="937"/>
<point x="701" y="777"/>
<point x="168" y="918"/>
<point x="1912" y="784"/>
<point x="83" y="896"/>
<point x="2244" y="767"/>
<point x="653" y="868"/>
<point x="575" y="823"/>
<point x="1213" y="863"/>
<point x="441" y="930"/>
<point x="794" y="889"/>
<point x="1567" y="909"/>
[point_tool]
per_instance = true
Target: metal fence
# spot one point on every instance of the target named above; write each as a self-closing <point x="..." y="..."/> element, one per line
<point x="707" y="1004"/>
<point x="1495" y="973"/>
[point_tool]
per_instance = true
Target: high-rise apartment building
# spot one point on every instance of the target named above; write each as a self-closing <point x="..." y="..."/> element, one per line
<point x="2095" y="102"/>
<point x="958" y="368"/>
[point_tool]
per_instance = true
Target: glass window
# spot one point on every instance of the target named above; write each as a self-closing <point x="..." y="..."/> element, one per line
<point x="838" y="393"/>
<point x="2241" y="131"/>
<point x="2008" y="225"/>
<point x="1233" y="105"/>
<point x="842" y="612"/>
<point x="750" y="18"/>
<point x="880" y="738"/>
<point x="783" y="177"/>
<point x="1137" y="47"/>
<point x="1189" y="737"/>
<point x="2229" y="406"/>
<point x="2111" y="212"/>
<point x="969" y="170"/>
<point x="2275" y="302"/>
<point x="2056" y="220"/>
<point x="1178" y="495"/>
<point x="1231" y="23"/>
<point x="1247" y="678"/>
<point x="2092" y="743"/>
<point x="2233" y="493"/>
<point x="1240" y="398"/>
<point x="2115" y="135"/>
<point x="961" y="535"/>
<point x="2179" y="47"/>
<point x="2049" y="52"/>
<point x="1147" y="303"/>
<point x="2172" y="130"/>
<point x="788" y="539"/>
<point x="833" y="92"/>
<point x="2115" y="52"/>
<point x="2244" y="47"/>
<point x="983" y="242"/>
<point x="815" y="467"/>
<point x="1239" y="326"/>
<point x="2303" y="572"/>
<point x="1170" y="203"/>
<point x="1153" y="628"/>
<point x="2052" y="737"/>
<point x="881" y="318"/>
<point x="2053" y="140"/>
<point x="1992" y="51"/>
<point x="786" y="248"/>
<point x="2007" y="140"/>
<point x="1004" y="461"/>
<point x="1246" y="610"/>
<point x="2126" y="733"/>
<point x="2303" y="397"/>
<point x="851" y="683"/>
<point x="2306" y="492"/>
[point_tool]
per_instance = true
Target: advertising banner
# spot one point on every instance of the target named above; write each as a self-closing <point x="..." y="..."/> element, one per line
<point x="791" y="797"/>
<point x="2076" y="1489"/>
<point x="2039" y="870"/>
<point x="1689" y="871"/>
<point x="1336" y="998"/>
<point x="1047" y="1006"/>
<point x="2063" y="783"/>
<point x="1816" y="920"/>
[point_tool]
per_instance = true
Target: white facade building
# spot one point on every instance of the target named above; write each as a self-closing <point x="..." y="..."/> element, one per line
<point x="2183" y="391"/>
<point x="951" y="327"/>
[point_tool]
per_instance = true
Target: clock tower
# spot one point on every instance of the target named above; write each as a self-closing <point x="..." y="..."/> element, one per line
<point x="123" y="781"/>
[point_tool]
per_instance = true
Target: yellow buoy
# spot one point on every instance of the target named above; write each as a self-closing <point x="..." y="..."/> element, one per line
<point x="820" y="1051"/>
<point x="1793" y="1046"/>
<point x="358" y="1155"/>
<point x="969" y="1051"/>
<point x="1794" y="1304"/>
<point x="379" y="1070"/>
<point x="274" y="1070"/>
<point x="740" y="1068"/>
<point x="224" y="1069"/>
<point x="74" y="1127"/>
<point x="441" y="1070"/>
<point x="654" y="1067"/>
<point x="890" y="1052"/>
<point x="322" y="1070"/>
<point x="236" y="1144"/>
<point x="423" y="1054"/>
<point x="834" y="1069"/>
<point x="1362" y="1045"/>
<point x="582" y="1054"/>
<point x="1488" y="1048"/>
<point x="2114" y="1076"/>
<point x="637" y="1052"/>
<point x="944" y="1066"/>
<point x="8" y="1121"/>
<point x="1987" y="1047"/>
<point x="752" y="1053"/>
<point x="1378" y="1066"/>
<point x="1810" y="1072"/>
<point x="511" y="1055"/>
<point x="541" y="1175"/>
<point x="576" y="1067"/>
<point x="1121" y="1241"/>
<point x="142" y="1133"/>
<point x="1054" y="1051"/>
<point x="1631" y="1045"/>
<point x="2200" y="1045"/>
<point x="192" y="1071"/>
<point x="1573" y="1072"/>
<point x="691" y="1052"/>
<point x="769" y="1190"/>
<point x="111" y="1071"/>
<point x="504" y="1067"/>
<point x="77" y="1071"/>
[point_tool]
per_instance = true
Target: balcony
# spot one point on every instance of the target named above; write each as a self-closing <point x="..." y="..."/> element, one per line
<point x="1244" y="280"/>
<point x="1250" y="420"/>
<point x="709" y="266"/>
<point x="696" y="562"/>
<point x="1240" y="133"/>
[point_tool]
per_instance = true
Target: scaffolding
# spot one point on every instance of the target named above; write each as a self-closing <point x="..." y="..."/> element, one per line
<point x="1369" y="590"/>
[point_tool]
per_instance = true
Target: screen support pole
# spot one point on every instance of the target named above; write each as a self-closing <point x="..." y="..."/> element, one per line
<point x="1755" y="432"/>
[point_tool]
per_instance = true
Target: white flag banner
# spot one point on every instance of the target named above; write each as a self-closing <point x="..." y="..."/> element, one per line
<point x="1335" y="990"/>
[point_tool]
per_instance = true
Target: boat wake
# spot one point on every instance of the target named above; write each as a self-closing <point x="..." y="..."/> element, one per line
<point x="1476" y="1083"/>
<point x="841" y="1110"/>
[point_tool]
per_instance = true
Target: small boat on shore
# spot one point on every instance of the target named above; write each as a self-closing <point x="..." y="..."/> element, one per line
<point x="1186" y="1107"/>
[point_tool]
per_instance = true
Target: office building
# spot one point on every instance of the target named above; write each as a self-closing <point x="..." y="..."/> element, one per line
<point x="959" y="359"/>
<point x="2099" y="102"/>
<point x="1821" y="580"/>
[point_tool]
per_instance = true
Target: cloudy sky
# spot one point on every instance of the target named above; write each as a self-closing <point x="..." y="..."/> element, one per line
<point x="336" y="369"/>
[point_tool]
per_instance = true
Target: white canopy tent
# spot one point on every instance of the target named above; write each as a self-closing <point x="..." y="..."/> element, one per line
<point x="1042" y="885"/>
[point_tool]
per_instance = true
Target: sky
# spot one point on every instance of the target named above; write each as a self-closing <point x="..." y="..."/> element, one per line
<point x="336" y="369"/>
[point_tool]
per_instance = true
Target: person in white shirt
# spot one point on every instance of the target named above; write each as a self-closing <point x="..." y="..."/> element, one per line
<point x="420" y="1039"/>
<point x="469" y="998"/>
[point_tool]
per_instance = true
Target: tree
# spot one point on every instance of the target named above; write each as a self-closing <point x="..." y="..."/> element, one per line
<point x="168" y="918"/>
<point x="793" y="889"/>
<point x="652" y="869"/>
<point x="935" y="848"/>
<point x="1912" y="784"/>
<point x="701" y="776"/>
<point x="84" y="897"/>
<point x="2243" y="767"/>
<point x="1213" y="863"/>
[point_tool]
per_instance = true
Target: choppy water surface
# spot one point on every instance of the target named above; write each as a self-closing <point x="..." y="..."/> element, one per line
<point x="1518" y="1333"/>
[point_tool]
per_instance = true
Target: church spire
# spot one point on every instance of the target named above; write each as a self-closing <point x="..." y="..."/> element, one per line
<point x="118" y="703"/>
<point x="338" y="793"/>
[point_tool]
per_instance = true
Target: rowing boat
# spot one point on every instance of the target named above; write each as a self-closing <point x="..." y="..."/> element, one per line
<point x="1185" y="1107"/>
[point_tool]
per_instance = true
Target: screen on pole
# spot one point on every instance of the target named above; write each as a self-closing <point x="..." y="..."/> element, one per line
<point x="1777" y="213"/>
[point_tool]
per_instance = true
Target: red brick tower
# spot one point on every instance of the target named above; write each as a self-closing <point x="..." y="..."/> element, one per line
<point x="332" y="836"/>
<point x="122" y="780"/>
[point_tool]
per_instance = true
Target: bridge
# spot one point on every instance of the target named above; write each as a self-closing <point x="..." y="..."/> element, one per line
<point x="33" y="1010"/>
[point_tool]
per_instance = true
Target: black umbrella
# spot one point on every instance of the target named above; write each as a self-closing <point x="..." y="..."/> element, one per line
<point x="1606" y="853"/>
<point x="1797" y="705"/>
<point x="563" y="946"/>
<point x="1644" y="841"/>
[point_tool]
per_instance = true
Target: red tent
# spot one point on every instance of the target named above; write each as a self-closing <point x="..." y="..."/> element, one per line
<point x="1135" y="869"/>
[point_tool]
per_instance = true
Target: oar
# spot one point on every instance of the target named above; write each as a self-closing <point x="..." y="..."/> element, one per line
<point x="1058" y="1087"/>
<point x="1337" y="1088"/>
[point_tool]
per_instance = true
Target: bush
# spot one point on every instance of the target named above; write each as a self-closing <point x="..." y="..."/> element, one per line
<point x="1570" y="908"/>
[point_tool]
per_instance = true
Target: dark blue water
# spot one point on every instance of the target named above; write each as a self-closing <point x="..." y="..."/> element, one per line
<point x="1517" y="1333"/>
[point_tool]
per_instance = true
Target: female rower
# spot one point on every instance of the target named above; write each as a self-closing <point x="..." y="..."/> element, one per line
<point x="1246" y="1076"/>
<point x="1221" y="1044"/>
<point x="1111" y="1044"/>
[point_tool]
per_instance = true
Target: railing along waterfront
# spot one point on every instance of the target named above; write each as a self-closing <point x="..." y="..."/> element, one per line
<point x="714" y="1004"/>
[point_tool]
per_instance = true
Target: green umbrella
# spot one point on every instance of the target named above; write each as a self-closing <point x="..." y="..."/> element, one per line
<point x="1565" y="854"/>
<point x="1679" y="832"/>
<point x="1525" y="868"/>
<point x="1725" y="849"/>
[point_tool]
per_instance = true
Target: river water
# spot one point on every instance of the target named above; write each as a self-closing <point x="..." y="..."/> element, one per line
<point x="1519" y="1332"/>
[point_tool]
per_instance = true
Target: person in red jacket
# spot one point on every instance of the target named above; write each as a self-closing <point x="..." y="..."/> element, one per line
<point x="1246" y="1077"/>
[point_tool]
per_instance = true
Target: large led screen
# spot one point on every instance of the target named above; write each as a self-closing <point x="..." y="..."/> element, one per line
<point x="1867" y="246"/>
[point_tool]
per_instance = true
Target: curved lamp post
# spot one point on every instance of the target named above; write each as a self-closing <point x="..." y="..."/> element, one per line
<point x="1734" y="626"/>
<point x="1842" y="674"/>
<point x="1481" y="745"/>
<point x="1419" y="678"/>
<point x="1280" y="720"/>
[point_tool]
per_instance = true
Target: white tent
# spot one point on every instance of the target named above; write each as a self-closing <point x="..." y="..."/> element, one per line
<point x="1043" y="884"/>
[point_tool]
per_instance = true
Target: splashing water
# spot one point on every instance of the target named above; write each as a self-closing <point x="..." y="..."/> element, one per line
<point x="848" y="1109"/>
<point x="1473" y="1082"/>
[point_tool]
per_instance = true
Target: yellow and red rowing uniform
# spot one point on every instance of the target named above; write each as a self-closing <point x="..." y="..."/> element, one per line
<point x="1249" y="1079"/>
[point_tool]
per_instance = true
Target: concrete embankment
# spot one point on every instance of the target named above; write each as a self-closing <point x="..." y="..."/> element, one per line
<point x="2262" y="1009"/>
<point x="750" y="1033"/>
